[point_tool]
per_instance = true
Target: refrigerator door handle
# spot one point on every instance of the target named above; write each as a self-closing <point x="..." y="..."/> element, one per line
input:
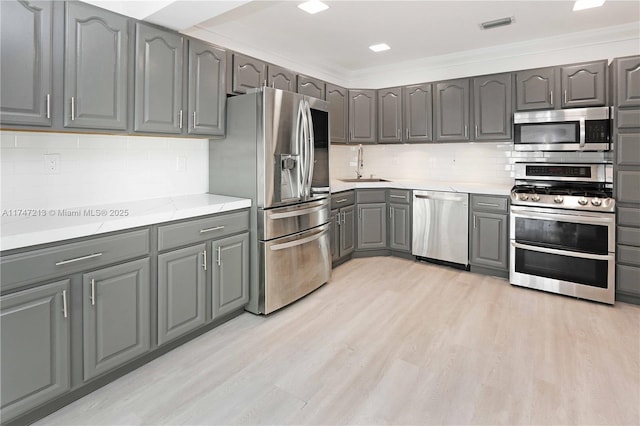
<point x="300" y="129"/>
<point x="304" y="145"/>
<point x="311" y="152"/>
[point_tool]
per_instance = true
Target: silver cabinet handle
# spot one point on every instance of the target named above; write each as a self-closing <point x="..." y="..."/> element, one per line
<point x="93" y="291"/>
<point x="78" y="259"/>
<point x="397" y="196"/>
<point x="338" y="218"/>
<point x="219" y="255"/>
<point x="344" y="217"/>
<point x="350" y="135"/>
<point x="215" y="228"/>
<point x="488" y="204"/>
<point x="551" y="97"/>
<point x="398" y="134"/>
<point x="194" y="119"/>
<point x="565" y="97"/>
<point x="466" y="130"/>
<point x="64" y="303"/>
<point x="474" y="221"/>
<point x="204" y="260"/>
<point x="407" y="133"/>
<point x="476" y="131"/>
<point x="180" y="119"/>
<point x="49" y="108"/>
<point x="73" y="108"/>
<point x="342" y="200"/>
<point x="391" y="212"/>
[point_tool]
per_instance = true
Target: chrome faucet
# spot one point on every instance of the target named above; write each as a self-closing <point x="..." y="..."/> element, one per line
<point x="360" y="164"/>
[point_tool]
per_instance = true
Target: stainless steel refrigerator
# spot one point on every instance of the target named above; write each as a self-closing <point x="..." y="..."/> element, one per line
<point x="276" y="152"/>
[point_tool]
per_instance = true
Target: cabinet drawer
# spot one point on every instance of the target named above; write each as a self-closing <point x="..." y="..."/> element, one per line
<point x="627" y="279"/>
<point x="341" y="199"/>
<point x="629" y="255"/>
<point x="194" y="231"/>
<point x="371" y="196"/>
<point x="402" y="196"/>
<point x="66" y="259"/>
<point x="489" y="203"/>
<point x="629" y="236"/>
<point x="628" y="149"/>
<point x="628" y="118"/>
<point x="629" y="216"/>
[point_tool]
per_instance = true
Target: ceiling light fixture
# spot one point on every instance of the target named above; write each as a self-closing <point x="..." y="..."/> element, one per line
<point x="313" y="6"/>
<point x="379" y="47"/>
<point x="587" y="4"/>
<point x="497" y="23"/>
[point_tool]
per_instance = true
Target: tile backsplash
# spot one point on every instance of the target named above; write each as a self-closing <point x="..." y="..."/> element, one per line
<point x="56" y="170"/>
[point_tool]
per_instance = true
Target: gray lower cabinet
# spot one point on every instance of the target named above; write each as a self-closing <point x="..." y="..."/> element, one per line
<point x="334" y="240"/>
<point x="362" y="116"/>
<point x="489" y="239"/>
<point x="181" y="291"/>
<point x="343" y="235"/>
<point x="207" y="90"/>
<point x="96" y="65"/>
<point x="372" y="226"/>
<point x="584" y="85"/>
<point x="247" y="73"/>
<point x="310" y="86"/>
<point x="493" y="107"/>
<point x="390" y="115"/>
<point x="418" y="113"/>
<point x="534" y="89"/>
<point x="116" y="322"/>
<point x="230" y="274"/>
<point x="338" y="112"/>
<point x="627" y="76"/>
<point x="400" y="227"/>
<point x="158" y="81"/>
<point x="452" y="110"/>
<point x="34" y="347"/>
<point x="281" y="78"/>
<point x="26" y="67"/>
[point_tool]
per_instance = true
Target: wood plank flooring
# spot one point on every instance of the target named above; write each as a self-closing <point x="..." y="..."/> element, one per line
<point x="393" y="341"/>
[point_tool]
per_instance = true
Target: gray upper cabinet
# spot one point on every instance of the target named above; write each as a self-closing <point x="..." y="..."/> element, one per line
<point x="26" y="75"/>
<point x="116" y="319"/>
<point x="207" y="91"/>
<point x="34" y="347"/>
<point x="628" y="81"/>
<point x="248" y="73"/>
<point x="493" y="107"/>
<point x="338" y="113"/>
<point x="362" y="116"/>
<point x="452" y="110"/>
<point x="584" y="85"/>
<point x="534" y="89"/>
<point x="96" y="52"/>
<point x="230" y="274"/>
<point x="158" y="81"/>
<point x="281" y="78"/>
<point x="418" y="113"/>
<point x="310" y="86"/>
<point x="390" y="115"/>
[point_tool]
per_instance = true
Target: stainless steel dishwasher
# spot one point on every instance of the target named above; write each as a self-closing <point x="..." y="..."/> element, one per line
<point x="441" y="226"/>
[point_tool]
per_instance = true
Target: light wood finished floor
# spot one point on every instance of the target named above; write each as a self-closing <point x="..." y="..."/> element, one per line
<point x="392" y="341"/>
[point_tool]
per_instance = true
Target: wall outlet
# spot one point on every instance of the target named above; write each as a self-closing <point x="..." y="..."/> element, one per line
<point x="181" y="163"/>
<point x="52" y="164"/>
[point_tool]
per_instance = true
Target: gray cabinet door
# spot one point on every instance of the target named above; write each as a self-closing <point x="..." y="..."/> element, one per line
<point x="534" y="89"/>
<point x="248" y="73"/>
<point x="390" y="115"/>
<point x="281" y="78"/>
<point x="347" y="230"/>
<point x="400" y="227"/>
<point x="362" y="116"/>
<point x="181" y="291"/>
<point x="116" y="319"/>
<point x="310" y="86"/>
<point x="489" y="240"/>
<point x="158" y="81"/>
<point x="372" y="226"/>
<point x="452" y="110"/>
<point x="493" y="107"/>
<point x="230" y="274"/>
<point x="338" y="113"/>
<point x="418" y="113"/>
<point x="207" y="90"/>
<point x="34" y="347"/>
<point x="334" y="237"/>
<point x="26" y="68"/>
<point x="95" y="82"/>
<point x="584" y="85"/>
<point x="628" y="81"/>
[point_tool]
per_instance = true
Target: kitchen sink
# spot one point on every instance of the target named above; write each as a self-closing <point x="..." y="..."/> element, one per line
<point x="365" y="180"/>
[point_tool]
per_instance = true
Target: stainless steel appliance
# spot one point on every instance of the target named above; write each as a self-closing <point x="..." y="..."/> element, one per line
<point x="276" y="152"/>
<point x="562" y="230"/>
<point x="441" y="226"/>
<point x="578" y="129"/>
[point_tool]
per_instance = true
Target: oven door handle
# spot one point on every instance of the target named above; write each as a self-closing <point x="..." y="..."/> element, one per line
<point x="562" y="252"/>
<point x="593" y="220"/>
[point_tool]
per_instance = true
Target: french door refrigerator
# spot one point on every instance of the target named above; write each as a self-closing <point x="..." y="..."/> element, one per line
<point x="276" y="152"/>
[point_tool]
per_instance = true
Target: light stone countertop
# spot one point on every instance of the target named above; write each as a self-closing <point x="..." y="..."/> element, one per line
<point x="52" y="225"/>
<point x="469" y="187"/>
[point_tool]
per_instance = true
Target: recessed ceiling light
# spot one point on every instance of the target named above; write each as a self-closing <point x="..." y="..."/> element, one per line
<point x="587" y="4"/>
<point x="379" y="47"/>
<point x="313" y="6"/>
<point x="496" y="23"/>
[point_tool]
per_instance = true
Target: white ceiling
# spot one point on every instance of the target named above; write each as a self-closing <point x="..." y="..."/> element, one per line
<point x="337" y="40"/>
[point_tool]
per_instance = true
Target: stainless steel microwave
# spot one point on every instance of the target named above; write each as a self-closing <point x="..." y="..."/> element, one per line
<point x="578" y="129"/>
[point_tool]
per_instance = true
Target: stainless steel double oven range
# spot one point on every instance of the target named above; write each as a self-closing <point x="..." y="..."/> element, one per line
<point x="562" y="229"/>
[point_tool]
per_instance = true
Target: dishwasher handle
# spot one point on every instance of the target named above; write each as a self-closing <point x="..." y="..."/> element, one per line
<point x="446" y="196"/>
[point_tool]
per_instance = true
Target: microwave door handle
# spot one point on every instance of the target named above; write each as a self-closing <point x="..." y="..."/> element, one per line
<point x="311" y="148"/>
<point x="582" y="132"/>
